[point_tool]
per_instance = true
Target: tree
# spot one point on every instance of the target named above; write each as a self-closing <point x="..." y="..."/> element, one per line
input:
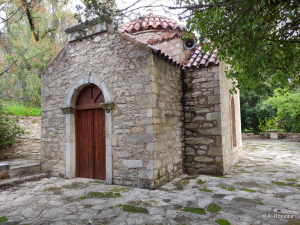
<point x="255" y="117"/>
<point x="287" y="105"/>
<point x="32" y="35"/>
<point x="259" y="39"/>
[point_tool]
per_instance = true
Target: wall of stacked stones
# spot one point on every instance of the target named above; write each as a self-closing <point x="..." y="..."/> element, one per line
<point x="167" y="115"/>
<point x="231" y="154"/>
<point x="125" y="68"/>
<point x="203" y="121"/>
<point x="28" y="144"/>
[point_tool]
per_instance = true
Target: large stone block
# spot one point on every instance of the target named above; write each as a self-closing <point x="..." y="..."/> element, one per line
<point x="203" y="159"/>
<point x="139" y="137"/>
<point x="133" y="163"/>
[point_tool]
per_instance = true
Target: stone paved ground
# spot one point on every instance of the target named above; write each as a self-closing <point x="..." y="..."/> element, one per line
<point x="262" y="187"/>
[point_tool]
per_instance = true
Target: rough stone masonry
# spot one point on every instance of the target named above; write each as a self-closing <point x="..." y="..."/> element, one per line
<point x="161" y="118"/>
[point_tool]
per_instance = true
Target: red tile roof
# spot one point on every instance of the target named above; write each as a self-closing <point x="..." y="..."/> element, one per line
<point x="199" y="58"/>
<point x="150" y="22"/>
<point x="165" y="38"/>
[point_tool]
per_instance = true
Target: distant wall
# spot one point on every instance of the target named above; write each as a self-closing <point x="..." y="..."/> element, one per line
<point x="28" y="144"/>
<point x="266" y="135"/>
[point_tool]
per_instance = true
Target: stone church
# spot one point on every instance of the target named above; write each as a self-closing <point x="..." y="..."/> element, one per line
<point x="137" y="106"/>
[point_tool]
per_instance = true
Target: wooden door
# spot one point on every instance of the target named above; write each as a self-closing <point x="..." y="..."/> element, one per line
<point x="90" y="134"/>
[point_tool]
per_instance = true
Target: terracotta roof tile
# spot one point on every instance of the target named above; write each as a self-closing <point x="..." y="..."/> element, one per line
<point x="198" y="58"/>
<point x="149" y="22"/>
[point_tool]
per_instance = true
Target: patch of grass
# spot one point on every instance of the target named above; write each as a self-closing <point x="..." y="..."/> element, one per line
<point x="294" y="180"/>
<point x="237" y="166"/>
<point x="249" y="190"/>
<point x="70" y="199"/>
<point x="205" y="190"/>
<point x="82" y="197"/>
<point x="228" y="188"/>
<point x="219" y="176"/>
<point x="136" y="203"/>
<point x="87" y="206"/>
<point x="118" y="189"/>
<point x="20" y="110"/>
<point x="120" y="205"/>
<point x="117" y="195"/>
<point x="279" y="183"/>
<point x="105" y="222"/>
<point x="99" y="211"/>
<point x="49" y="183"/>
<point x="213" y="208"/>
<point x="76" y="185"/>
<point x="166" y="200"/>
<point x="52" y="188"/>
<point x="100" y="195"/>
<point x="293" y="185"/>
<point x="194" y="210"/>
<point x="183" y="182"/>
<point x="200" y="182"/>
<point x="222" y="222"/>
<point x="3" y="219"/>
<point x="251" y="201"/>
<point x="14" y="165"/>
<point x="134" y="209"/>
<point x="272" y="171"/>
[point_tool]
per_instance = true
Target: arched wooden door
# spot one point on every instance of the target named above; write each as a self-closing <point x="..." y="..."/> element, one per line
<point x="90" y="134"/>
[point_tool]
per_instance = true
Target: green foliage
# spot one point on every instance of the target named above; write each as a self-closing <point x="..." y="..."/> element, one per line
<point x="8" y="130"/>
<point x="200" y="182"/>
<point x="259" y="39"/>
<point x="287" y="106"/>
<point x="254" y="117"/>
<point x="248" y="190"/>
<point x="30" y="40"/>
<point x="21" y="110"/>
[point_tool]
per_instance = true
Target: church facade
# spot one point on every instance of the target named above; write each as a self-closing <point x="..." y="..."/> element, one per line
<point x="136" y="107"/>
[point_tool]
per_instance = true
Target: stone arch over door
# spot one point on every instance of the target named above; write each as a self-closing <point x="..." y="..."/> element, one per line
<point x="69" y="110"/>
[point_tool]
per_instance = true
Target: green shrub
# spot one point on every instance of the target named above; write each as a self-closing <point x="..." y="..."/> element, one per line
<point x="287" y="106"/>
<point x="9" y="130"/>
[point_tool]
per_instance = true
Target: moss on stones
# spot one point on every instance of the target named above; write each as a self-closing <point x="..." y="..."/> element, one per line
<point x="213" y="208"/>
<point x="76" y="185"/>
<point x="194" y="210"/>
<point x="205" y="190"/>
<point x="100" y="195"/>
<point x="166" y="200"/>
<point x="87" y="206"/>
<point x="118" y="189"/>
<point x="219" y="176"/>
<point x="279" y="183"/>
<point x="249" y="190"/>
<point x="3" y="219"/>
<point x="294" y="180"/>
<point x="52" y="188"/>
<point x="222" y="222"/>
<point x="200" y="182"/>
<point x="134" y="209"/>
<point x="183" y="182"/>
<point x="137" y="202"/>
<point x="117" y="195"/>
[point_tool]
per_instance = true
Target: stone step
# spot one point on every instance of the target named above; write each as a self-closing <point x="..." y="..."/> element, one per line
<point x="24" y="170"/>
<point x="19" y="180"/>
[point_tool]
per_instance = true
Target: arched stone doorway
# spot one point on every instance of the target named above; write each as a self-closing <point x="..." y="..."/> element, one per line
<point x="90" y="134"/>
<point x="69" y="109"/>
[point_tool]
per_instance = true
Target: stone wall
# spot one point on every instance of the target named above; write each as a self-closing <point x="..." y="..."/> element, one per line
<point x="167" y="115"/>
<point x="30" y="143"/>
<point x="203" y="121"/>
<point x="231" y="154"/>
<point x="266" y="135"/>
<point x="125" y="67"/>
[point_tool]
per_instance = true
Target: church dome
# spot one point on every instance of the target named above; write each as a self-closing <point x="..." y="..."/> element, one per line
<point x="151" y="22"/>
